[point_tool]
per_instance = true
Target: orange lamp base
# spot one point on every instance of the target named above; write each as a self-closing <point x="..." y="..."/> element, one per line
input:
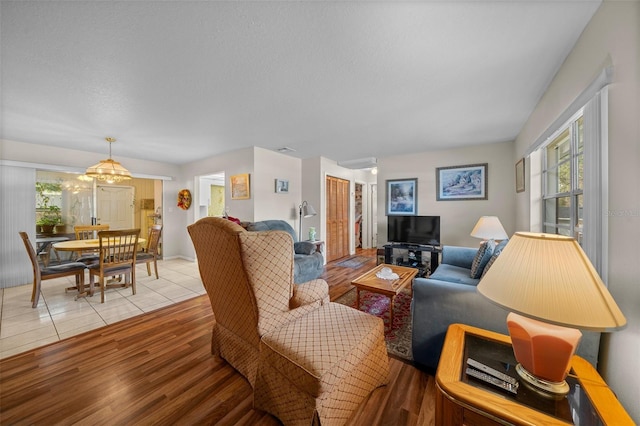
<point x="543" y="351"/>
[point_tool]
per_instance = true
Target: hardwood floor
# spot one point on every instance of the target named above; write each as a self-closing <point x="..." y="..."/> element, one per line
<point x="157" y="368"/>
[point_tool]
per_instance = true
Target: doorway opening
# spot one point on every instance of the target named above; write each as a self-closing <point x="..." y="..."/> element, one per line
<point x="211" y="195"/>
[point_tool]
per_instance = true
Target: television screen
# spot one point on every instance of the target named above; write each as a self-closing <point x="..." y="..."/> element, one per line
<point x="423" y="230"/>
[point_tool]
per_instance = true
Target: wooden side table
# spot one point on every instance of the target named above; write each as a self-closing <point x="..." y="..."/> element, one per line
<point x="390" y="288"/>
<point x="462" y="399"/>
<point x="319" y="245"/>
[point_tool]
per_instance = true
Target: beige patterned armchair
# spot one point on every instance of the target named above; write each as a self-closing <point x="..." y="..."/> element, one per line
<point x="308" y="360"/>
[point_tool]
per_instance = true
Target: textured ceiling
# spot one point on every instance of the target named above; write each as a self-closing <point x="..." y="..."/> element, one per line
<point x="176" y="81"/>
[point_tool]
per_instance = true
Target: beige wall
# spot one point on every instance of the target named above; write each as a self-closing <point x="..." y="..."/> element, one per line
<point x="457" y="218"/>
<point x="269" y="166"/>
<point x="611" y="39"/>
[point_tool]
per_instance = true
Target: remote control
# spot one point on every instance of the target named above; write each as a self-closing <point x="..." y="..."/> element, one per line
<point x="492" y="380"/>
<point x="495" y="373"/>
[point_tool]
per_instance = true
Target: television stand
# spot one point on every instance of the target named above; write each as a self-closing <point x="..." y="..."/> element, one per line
<point x="414" y="261"/>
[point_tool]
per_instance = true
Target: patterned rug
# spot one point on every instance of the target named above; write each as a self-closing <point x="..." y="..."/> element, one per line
<point x="354" y="262"/>
<point x="398" y="336"/>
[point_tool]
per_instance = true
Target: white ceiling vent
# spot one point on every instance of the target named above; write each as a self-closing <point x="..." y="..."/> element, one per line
<point x="285" y="149"/>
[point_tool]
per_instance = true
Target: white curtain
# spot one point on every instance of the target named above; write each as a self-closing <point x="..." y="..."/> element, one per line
<point x="595" y="229"/>
<point x="18" y="194"/>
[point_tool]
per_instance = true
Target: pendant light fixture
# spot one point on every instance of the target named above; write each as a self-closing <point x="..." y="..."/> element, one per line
<point x="108" y="170"/>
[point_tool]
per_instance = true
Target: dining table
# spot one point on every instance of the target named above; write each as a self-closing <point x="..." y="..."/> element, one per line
<point x="85" y="245"/>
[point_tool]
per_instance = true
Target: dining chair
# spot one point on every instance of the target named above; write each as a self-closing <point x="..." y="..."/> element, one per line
<point x="46" y="273"/>
<point x="117" y="257"/>
<point x="88" y="232"/>
<point x="150" y="253"/>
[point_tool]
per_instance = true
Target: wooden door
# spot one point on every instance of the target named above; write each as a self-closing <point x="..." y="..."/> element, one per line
<point x="337" y="196"/>
<point x="115" y="206"/>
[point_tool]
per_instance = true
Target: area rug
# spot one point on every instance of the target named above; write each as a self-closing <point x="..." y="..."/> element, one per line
<point x="398" y="336"/>
<point x="354" y="262"/>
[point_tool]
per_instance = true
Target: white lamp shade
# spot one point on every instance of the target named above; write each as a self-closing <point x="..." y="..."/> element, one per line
<point x="549" y="277"/>
<point x="308" y="210"/>
<point x="489" y="228"/>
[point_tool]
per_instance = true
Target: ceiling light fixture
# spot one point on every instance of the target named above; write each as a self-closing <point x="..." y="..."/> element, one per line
<point x="108" y="170"/>
<point x="360" y="163"/>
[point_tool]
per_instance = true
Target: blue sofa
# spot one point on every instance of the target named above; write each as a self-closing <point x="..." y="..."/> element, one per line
<point x="308" y="263"/>
<point x="449" y="296"/>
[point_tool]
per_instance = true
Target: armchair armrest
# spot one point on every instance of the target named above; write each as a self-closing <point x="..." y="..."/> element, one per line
<point x="309" y="293"/>
<point x="307" y="297"/>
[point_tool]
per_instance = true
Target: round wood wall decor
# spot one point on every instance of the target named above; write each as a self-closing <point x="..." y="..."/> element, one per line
<point x="184" y="199"/>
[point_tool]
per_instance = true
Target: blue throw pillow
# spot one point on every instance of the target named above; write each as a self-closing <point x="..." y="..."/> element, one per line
<point x="482" y="258"/>
<point x="496" y="252"/>
<point x="500" y="246"/>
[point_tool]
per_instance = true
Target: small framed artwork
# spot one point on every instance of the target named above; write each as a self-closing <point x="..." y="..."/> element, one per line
<point x="402" y="197"/>
<point x="282" y="186"/>
<point x="462" y="182"/>
<point x="520" y="176"/>
<point x="240" y="189"/>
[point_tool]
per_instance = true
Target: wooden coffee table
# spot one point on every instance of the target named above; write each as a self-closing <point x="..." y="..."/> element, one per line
<point x="390" y="288"/>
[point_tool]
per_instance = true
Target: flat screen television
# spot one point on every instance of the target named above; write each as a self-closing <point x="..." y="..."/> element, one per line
<point x="423" y="230"/>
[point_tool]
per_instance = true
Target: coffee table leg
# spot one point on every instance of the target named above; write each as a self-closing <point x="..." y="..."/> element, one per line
<point x="357" y="298"/>
<point x="391" y="312"/>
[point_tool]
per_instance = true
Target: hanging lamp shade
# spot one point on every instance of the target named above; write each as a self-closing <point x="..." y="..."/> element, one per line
<point x="108" y="170"/>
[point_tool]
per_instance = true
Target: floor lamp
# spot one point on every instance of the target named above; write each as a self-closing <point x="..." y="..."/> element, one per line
<point x="306" y="210"/>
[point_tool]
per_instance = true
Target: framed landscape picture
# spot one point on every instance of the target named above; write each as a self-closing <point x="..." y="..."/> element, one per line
<point x="461" y="182"/>
<point x="240" y="187"/>
<point x="402" y="197"/>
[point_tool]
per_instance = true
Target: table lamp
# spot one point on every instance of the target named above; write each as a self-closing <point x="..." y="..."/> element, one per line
<point x="489" y="228"/>
<point x="552" y="289"/>
<point x="306" y="210"/>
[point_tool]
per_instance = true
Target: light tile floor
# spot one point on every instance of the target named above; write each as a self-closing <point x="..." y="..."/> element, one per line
<point x="59" y="316"/>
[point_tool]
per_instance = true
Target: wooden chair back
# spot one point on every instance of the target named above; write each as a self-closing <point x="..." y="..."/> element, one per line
<point x="117" y="257"/>
<point x="89" y="232"/>
<point x="40" y="275"/>
<point x="118" y="248"/>
<point x="150" y="253"/>
<point x="153" y="240"/>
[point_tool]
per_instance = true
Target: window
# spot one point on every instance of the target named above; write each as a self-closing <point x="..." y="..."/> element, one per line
<point x="563" y="181"/>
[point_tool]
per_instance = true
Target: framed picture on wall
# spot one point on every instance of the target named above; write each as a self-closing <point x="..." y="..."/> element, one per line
<point x="282" y="186"/>
<point x="462" y="182"/>
<point x="240" y="187"/>
<point x="402" y="197"/>
<point x="520" y="176"/>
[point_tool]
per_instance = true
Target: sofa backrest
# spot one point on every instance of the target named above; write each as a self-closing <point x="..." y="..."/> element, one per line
<point x="272" y="225"/>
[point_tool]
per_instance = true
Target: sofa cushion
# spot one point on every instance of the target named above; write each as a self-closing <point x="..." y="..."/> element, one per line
<point x="482" y="258"/>
<point x="453" y="274"/>
<point x="304" y="247"/>
<point x="271" y="225"/>
<point x="488" y="265"/>
<point x="317" y="351"/>
<point x="494" y="256"/>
